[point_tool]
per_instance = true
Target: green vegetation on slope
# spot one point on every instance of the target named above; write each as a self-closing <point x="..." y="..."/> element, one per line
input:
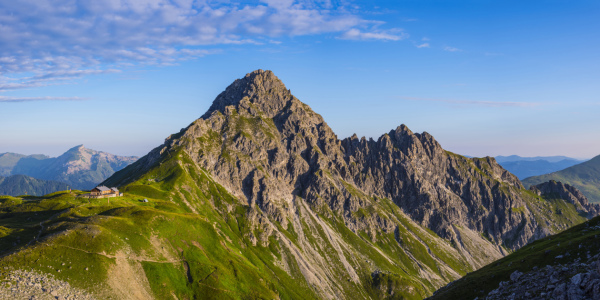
<point x="584" y="176"/>
<point x="192" y="238"/>
<point x="16" y="185"/>
<point x="578" y="241"/>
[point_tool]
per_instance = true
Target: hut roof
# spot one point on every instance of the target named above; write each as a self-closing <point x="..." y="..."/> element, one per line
<point x="102" y="188"/>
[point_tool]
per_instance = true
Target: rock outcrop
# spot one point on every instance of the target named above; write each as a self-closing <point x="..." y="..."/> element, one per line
<point x="573" y="281"/>
<point x="568" y="193"/>
<point x="265" y="146"/>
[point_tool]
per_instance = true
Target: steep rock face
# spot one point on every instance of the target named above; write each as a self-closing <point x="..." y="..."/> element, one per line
<point x="278" y="157"/>
<point x="569" y="194"/>
<point x="437" y="188"/>
<point x="265" y="146"/>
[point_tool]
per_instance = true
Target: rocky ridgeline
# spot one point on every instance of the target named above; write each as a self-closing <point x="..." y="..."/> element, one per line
<point x="281" y="161"/>
<point x="570" y="194"/>
<point x="266" y="146"/>
<point x="21" y="284"/>
<point x="572" y="281"/>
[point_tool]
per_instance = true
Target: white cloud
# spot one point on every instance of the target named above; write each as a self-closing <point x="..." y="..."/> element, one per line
<point x="47" y="37"/>
<point x="357" y="34"/>
<point x="424" y="45"/>
<point x="30" y="99"/>
<point x="451" y="49"/>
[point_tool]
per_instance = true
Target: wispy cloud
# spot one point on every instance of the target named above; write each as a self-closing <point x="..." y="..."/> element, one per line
<point x="424" y="45"/>
<point x="30" y="99"/>
<point x="390" y="35"/>
<point x="475" y="102"/>
<point x="48" y="78"/>
<point x="451" y="49"/>
<point x="47" y="37"/>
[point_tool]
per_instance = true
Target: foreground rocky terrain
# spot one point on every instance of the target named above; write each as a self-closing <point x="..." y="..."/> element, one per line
<point x="259" y="198"/>
<point x="20" y="284"/>
<point x="564" y="266"/>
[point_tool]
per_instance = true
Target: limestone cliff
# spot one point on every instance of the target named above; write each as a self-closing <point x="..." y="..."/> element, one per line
<point x="402" y="194"/>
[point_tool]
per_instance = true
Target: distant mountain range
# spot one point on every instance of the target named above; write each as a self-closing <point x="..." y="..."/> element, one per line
<point x="524" y="167"/>
<point x="512" y="158"/>
<point x="16" y="185"/>
<point x="584" y="176"/>
<point x="79" y="167"/>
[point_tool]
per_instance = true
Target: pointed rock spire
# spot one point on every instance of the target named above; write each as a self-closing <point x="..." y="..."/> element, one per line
<point x="259" y="88"/>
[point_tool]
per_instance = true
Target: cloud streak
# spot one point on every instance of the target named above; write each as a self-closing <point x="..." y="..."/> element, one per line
<point x="451" y="49"/>
<point x="48" y="78"/>
<point x="4" y="99"/>
<point x="475" y="102"/>
<point x="391" y="35"/>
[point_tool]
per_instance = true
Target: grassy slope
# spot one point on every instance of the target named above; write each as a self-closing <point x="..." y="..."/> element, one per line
<point x="188" y="246"/>
<point x="578" y="241"/>
<point x="584" y="176"/>
<point x="24" y="185"/>
<point x="194" y="239"/>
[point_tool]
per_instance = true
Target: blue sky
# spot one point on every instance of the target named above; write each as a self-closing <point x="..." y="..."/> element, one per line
<point x="483" y="77"/>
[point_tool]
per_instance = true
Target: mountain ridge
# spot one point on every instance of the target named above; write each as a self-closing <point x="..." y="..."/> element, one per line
<point x="16" y="185"/>
<point x="274" y="154"/>
<point x="79" y="167"/>
<point x="584" y="176"/>
<point x="524" y="169"/>
<point x="260" y="95"/>
<point x="552" y="159"/>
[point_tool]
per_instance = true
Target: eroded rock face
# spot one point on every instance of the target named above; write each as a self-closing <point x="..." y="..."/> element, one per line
<point x="568" y="193"/>
<point x="265" y="146"/>
<point x="277" y="156"/>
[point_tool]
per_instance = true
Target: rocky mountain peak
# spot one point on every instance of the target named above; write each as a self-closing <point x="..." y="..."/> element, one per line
<point x="78" y="148"/>
<point x="261" y="89"/>
<point x="266" y="147"/>
<point x="265" y="159"/>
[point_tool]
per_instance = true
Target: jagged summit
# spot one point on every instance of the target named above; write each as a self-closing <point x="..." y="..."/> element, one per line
<point x="266" y="147"/>
<point x="260" y="88"/>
